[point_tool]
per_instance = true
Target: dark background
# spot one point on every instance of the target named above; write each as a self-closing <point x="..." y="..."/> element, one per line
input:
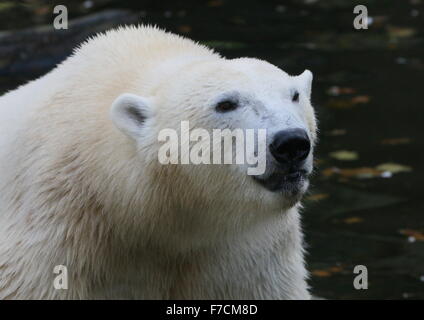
<point x="365" y="206"/>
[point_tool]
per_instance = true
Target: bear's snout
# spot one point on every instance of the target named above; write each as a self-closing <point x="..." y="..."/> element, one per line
<point x="290" y="147"/>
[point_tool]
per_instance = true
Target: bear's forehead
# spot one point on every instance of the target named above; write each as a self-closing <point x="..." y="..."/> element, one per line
<point x="251" y="75"/>
<point x="252" y="66"/>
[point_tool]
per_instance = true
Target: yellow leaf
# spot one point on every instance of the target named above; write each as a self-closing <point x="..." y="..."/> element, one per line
<point x="352" y="220"/>
<point x="393" y="167"/>
<point x="360" y="99"/>
<point x="361" y="173"/>
<point x="385" y="170"/>
<point x="347" y="103"/>
<point x="419" y="236"/>
<point x="344" y="155"/>
<point x="323" y="273"/>
<point x="400" y="32"/>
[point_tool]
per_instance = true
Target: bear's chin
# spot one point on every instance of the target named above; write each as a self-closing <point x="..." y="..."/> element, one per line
<point x="289" y="187"/>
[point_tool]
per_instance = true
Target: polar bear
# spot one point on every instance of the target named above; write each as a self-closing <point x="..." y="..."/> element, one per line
<point x="81" y="187"/>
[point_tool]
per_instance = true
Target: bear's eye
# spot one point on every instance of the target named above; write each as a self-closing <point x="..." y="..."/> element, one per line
<point x="226" y="106"/>
<point x="295" y="97"/>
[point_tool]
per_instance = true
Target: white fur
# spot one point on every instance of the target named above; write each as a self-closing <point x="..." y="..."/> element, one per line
<point x="76" y="191"/>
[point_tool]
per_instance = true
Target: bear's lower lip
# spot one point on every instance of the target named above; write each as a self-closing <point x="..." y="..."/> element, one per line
<point x="290" y="182"/>
<point x="293" y="176"/>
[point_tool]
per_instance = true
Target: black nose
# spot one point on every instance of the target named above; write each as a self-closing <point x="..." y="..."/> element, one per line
<point x="290" y="146"/>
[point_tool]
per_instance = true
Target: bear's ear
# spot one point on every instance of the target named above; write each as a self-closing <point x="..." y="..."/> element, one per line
<point x="305" y="80"/>
<point x="129" y="112"/>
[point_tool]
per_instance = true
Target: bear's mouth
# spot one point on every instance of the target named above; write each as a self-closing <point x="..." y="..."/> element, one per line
<point x="289" y="182"/>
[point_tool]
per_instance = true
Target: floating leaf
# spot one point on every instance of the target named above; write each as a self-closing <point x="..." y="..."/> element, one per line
<point x="360" y="99"/>
<point x="6" y="5"/>
<point x="336" y="91"/>
<point x="347" y="103"/>
<point x="417" y="235"/>
<point x="335" y="269"/>
<point x="337" y="132"/>
<point x="400" y="32"/>
<point x="352" y="220"/>
<point x="339" y="104"/>
<point x="396" y="141"/>
<point x="184" y="29"/>
<point x="379" y="21"/>
<point x="42" y="10"/>
<point x="385" y="170"/>
<point x="393" y="167"/>
<point x="318" y="197"/>
<point x="344" y="155"/>
<point x="360" y="173"/>
<point x="215" y="3"/>
<point x="321" y="273"/>
<point x="324" y="273"/>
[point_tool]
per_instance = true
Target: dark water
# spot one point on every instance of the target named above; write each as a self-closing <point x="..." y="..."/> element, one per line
<point x="365" y="205"/>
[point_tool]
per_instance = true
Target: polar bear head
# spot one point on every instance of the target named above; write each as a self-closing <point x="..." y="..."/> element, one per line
<point x="236" y="94"/>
